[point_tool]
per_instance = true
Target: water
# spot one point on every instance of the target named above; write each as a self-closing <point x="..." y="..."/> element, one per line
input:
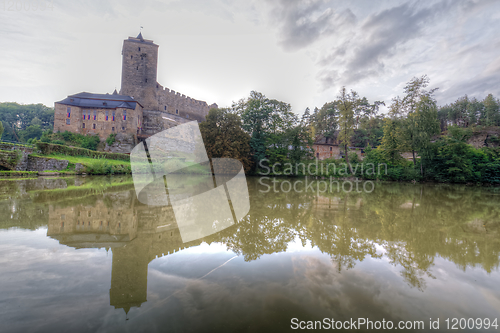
<point x="84" y="255"/>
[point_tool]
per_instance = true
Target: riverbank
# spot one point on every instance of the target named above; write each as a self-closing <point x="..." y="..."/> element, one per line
<point x="44" y="159"/>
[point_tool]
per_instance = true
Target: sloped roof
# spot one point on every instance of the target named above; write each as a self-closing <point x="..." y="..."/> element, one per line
<point x="141" y="40"/>
<point x="102" y="101"/>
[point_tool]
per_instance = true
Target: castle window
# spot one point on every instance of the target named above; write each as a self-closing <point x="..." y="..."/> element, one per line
<point x="146" y="80"/>
<point x="67" y="122"/>
<point x="139" y="48"/>
<point x="93" y="126"/>
<point x="107" y="115"/>
<point x="187" y="116"/>
<point x="176" y="111"/>
<point x="331" y="148"/>
<point x="95" y="114"/>
<point x="124" y="114"/>
<point x="112" y="129"/>
<point x="137" y="68"/>
<point x="165" y="108"/>
<point x="131" y="57"/>
<point x="123" y="128"/>
<point x="68" y="111"/>
<point x="83" y="113"/>
<point x="83" y="125"/>
<point x="113" y="116"/>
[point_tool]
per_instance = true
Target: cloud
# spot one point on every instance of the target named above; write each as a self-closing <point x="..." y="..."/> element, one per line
<point x="301" y="23"/>
<point x="379" y="38"/>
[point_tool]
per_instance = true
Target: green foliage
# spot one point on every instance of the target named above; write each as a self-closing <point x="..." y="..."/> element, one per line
<point x="1" y="129"/>
<point x="224" y="137"/>
<point x="111" y="139"/>
<point x="392" y="146"/>
<point x="457" y="133"/>
<point x="71" y="139"/>
<point x="491" y="111"/>
<point x="325" y="120"/>
<point x="47" y="149"/>
<point x="31" y="132"/>
<point x="16" y="119"/>
<point x="275" y="131"/>
<point x="346" y="103"/>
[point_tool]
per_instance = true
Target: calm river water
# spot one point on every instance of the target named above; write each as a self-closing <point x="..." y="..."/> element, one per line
<point x="84" y="255"/>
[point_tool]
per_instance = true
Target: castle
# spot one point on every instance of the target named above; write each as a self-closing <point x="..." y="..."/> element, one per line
<point x="141" y="109"/>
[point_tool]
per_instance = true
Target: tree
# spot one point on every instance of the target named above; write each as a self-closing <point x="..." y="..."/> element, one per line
<point x="491" y="111"/>
<point x="224" y="137"/>
<point x="325" y="120"/>
<point x="31" y="132"/>
<point x="414" y="94"/>
<point x="425" y="122"/>
<point x="391" y="141"/>
<point x="272" y="126"/>
<point x="346" y="103"/>
<point x="1" y="130"/>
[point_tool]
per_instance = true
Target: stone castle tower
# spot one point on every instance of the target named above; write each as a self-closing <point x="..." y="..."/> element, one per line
<point x="139" y="68"/>
<point x="163" y="108"/>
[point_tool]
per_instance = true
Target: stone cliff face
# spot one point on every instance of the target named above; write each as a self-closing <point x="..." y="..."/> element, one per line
<point x="124" y="143"/>
<point x="487" y="137"/>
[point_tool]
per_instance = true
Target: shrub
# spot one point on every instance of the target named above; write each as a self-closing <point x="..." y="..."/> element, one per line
<point x="111" y="139"/>
<point x="47" y="149"/>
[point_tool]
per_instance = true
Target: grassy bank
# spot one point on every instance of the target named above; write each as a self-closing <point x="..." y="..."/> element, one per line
<point x="92" y="166"/>
<point x="17" y="174"/>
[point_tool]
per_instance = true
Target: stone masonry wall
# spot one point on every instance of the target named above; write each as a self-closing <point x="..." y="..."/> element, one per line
<point x="139" y="80"/>
<point x="44" y="164"/>
<point x="139" y="68"/>
<point x="100" y="126"/>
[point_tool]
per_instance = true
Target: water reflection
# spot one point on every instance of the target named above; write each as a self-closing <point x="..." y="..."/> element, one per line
<point x="410" y="226"/>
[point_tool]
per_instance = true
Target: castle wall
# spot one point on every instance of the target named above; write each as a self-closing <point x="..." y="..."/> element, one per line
<point x="101" y="126"/>
<point x="181" y="105"/>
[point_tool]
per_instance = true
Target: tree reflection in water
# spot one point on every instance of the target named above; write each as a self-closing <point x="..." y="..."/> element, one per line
<point x="409" y="225"/>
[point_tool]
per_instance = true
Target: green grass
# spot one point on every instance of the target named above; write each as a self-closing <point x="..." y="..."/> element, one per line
<point x="82" y="159"/>
<point x="93" y="166"/>
<point x="13" y="173"/>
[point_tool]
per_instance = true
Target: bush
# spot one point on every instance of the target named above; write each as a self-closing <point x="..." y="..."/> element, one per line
<point x="111" y="139"/>
<point x="47" y="149"/>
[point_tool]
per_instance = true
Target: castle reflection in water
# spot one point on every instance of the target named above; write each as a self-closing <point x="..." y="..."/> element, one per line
<point x="412" y="224"/>
<point x="135" y="233"/>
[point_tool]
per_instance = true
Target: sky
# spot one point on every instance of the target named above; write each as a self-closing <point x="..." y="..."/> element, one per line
<point x="299" y="52"/>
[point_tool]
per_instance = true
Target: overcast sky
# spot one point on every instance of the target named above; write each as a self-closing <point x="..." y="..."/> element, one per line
<point x="300" y="52"/>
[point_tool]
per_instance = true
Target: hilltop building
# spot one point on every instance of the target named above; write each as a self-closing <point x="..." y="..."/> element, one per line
<point x="98" y="114"/>
<point x="329" y="147"/>
<point x="143" y="107"/>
